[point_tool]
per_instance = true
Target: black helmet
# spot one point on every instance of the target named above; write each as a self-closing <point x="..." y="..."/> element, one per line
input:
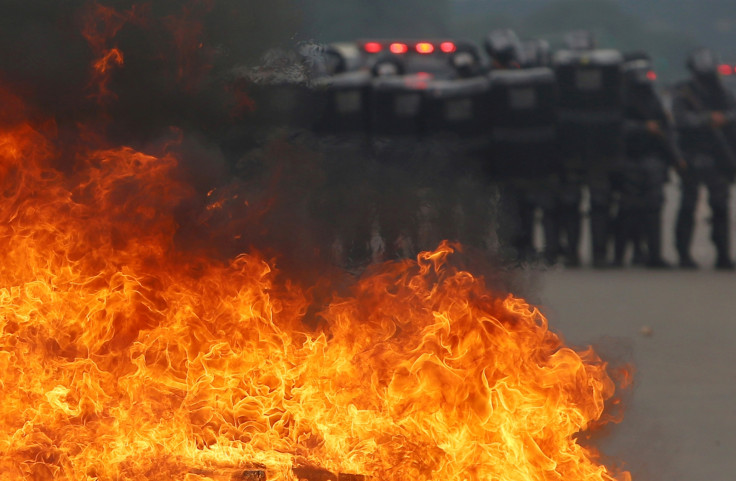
<point x="465" y="60"/>
<point x="320" y="60"/>
<point x="538" y="53"/>
<point x="388" y="65"/>
<point x="504" y="47"/>
<point x="639" y="73"/>
<point x="580" y="40"/>
<point x="703" y="62"/>
<point x="334" y="61"/>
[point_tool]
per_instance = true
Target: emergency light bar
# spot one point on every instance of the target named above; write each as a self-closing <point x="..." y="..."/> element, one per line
<point x="399" y="48"/>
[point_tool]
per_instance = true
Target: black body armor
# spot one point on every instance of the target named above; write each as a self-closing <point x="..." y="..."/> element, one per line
<point x="523" y="107"/>
<point x="346" y="100"/>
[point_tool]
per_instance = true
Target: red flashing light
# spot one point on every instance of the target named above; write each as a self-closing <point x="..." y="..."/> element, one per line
<point x="372" y="47"/>
<point x="725" y="69"/>
<point x="398" y="48"/>
<point x="424" y="47"/>
<point x="448" y="47"/>
<point x="652" y="75"/>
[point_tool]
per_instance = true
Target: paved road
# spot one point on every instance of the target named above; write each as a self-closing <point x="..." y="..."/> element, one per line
<point x="681" y="419"/>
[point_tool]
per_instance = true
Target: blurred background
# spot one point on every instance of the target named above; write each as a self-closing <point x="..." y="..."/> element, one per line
<point x="665" y="29"/>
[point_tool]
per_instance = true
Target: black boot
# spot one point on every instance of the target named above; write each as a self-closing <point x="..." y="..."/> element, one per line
<point x="658" y="263"/>
<point x="687" y="262"/>
<point x="721" y="239"/>
<point x="725" y="264"/>
<point x="653" y="235"/>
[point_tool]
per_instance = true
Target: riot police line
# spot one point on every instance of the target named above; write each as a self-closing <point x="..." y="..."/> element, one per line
<point x="482" y="151"/>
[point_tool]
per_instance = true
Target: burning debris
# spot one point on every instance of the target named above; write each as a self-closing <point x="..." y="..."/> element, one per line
<point x="129" y="354"/>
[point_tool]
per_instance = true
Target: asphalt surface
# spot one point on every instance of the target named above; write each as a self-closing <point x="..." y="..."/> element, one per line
<point x="679" y="331"/>
<point x="678" y="328"/>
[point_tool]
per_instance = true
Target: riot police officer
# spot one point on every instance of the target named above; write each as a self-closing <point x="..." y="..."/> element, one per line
<point x="342" y="204"/>
<point x="537" y="53"/>
<point x="705" y="113"/>
<point x="591" y="136"/>
<point x="456" y="119"/>
<point x="650" y="151"/>
<point x="523" y="105"/>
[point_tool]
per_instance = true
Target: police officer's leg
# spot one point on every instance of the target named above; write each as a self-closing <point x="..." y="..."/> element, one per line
<point x="389" y="222"/>
<point x="433" y="191"/>
<point x="325" y="210"/>
<point x="600" y="205"/>
<point x="569" y="221"/>
<point x="351" y="192"/>
<point x="652" y="221"/>
<point x="447" y="201"/>
<point x="636" y="238"/>
<point x="685" y="226"/>
<point x="651" y="227"/>
<point x="718" y="197"/>
<point x="527" y="209"/>
<point x="397" y="207"/>
<point x="473" y="214"/>
<point x="510" y="229"/>
<point x="551" y="229"/>
<point x="623" y="225"/>
<point x="360" y="224"/>
<point x="548" y="200"/>
<point x="653" y="201"/>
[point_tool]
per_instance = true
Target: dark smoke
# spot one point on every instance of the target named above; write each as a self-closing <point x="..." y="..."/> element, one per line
<point x="177" y="58"/>
<point x="175" y="85"/>
<point x="181" y="89"/>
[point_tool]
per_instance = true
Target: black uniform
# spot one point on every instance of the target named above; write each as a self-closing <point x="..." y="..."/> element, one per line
<point x="523" y="155"/>
<point x="705" y="113"/>
<point x="343" y="203"/>
<point x="537" y="53"/>
<point x="396" y="130"/>
<point x="650" y="151"/>
<point x="426" y="132"/>
<point x="456" y="120"/>
<point x="591" y="136"/>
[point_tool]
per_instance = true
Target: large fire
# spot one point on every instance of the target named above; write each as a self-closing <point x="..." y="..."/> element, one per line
<point x="125" y="356"/>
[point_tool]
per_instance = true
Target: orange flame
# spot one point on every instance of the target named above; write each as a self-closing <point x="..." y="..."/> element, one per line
<point x="101" y="25"/>
<point x="187" y="33"/>
<point x="111" y="57"/>
<point x="192" y="60"/>
<point x="125" y="358"/>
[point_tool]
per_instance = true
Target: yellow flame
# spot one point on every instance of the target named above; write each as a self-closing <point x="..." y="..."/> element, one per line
<point x="123" y="357"/>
